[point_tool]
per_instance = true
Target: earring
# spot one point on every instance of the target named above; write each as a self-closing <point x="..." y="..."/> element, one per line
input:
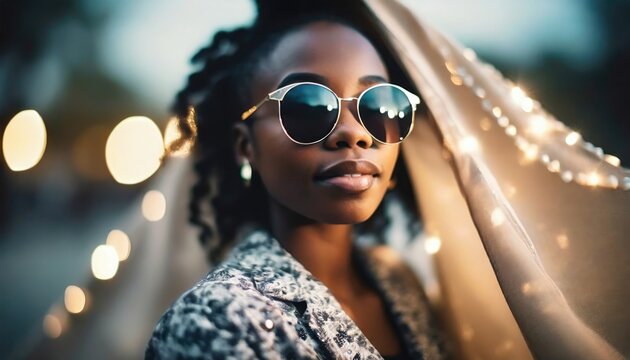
<point x="246" y="172"/>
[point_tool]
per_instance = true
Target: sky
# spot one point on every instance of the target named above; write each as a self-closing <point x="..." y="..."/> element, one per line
<point x="148" y="44"/>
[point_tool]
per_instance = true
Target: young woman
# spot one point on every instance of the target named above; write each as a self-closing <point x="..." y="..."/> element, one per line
<point x="300" y="119"/>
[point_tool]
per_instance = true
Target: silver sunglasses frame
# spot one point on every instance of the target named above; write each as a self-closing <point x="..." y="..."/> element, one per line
<point x="279" y="94"/>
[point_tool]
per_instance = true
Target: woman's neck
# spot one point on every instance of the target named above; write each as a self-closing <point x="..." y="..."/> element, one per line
<point x="323" y="249"/>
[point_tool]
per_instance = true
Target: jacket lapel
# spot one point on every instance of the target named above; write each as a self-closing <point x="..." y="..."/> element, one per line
<point x="278" y="275"/>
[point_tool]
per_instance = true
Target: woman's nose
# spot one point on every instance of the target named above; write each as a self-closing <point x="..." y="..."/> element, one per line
<point x="349" y="132"/>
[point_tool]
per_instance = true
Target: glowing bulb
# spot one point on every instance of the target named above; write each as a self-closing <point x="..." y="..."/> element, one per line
<point x="119" y="241"/>
<point x="329" y="107"/>
<point x="497" y="217"/>
<point x="527" y="104"/>
<point x="612" y="160"/>
<point x="391" y="114"/>
<point x="545" y="159"/>
<point x="497" y="112"/>
<point x="154" y="205"/>
<point x="503" y="121"/>
<point x="450" y="67"/>
<point x="518" y="95"/>
<point x="531" y="153"/>
<point x="554" y="166"/>
<point x="510" y="130"/>
<point x="432" y="245"/>
<point x="134" y="150"/>
<point x="382" y="109"/>
<point x="539" y="125"/>
<point x="401" y="114"/>
<point x="74" y="299"/>
<point x="469" y="54"/>
<point x="52" y="326"/>
<point x="593" y="179"/>
<point x="24" y="140"/>
<point x="567" y="176"/>
<point x="572" y="138"/>
<point x="480" y="92"/>
<point x="469" y="144"/>
<point x="104" y="262"/>
<point x="456" y="80"/>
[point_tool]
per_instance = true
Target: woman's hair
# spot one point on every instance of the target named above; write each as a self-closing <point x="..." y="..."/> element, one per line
<point x="219" y="93"/>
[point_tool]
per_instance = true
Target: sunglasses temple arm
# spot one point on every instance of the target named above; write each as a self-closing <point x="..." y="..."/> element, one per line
<point x="253" y="109"/>
<point x="415" y="100"/>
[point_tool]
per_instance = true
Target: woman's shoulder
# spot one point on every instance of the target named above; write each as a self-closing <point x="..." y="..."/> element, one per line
<point x="216" y="317"/>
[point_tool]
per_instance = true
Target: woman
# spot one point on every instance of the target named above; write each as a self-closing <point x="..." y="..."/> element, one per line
<point x="291" y="181"/>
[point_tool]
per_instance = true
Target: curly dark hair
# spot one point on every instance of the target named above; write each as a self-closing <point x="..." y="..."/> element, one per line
<point x="219" y="93"/>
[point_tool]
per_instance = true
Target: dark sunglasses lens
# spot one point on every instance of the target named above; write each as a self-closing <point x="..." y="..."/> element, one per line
<point x="308" y="112"/>
<point x="386" y="113"/>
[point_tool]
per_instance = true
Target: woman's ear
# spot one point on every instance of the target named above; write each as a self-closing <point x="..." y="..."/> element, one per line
<point x="243" y="144"/>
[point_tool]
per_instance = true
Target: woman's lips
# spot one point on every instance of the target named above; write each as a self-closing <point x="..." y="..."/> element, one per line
<point x="350" y="182"/>
<point x="349" y="175"/>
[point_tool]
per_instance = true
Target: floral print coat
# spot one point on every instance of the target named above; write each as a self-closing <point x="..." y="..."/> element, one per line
<point x="261" y="303"/>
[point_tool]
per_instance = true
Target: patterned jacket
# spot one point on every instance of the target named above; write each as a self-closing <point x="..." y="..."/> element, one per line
<point x="261" y="303"/>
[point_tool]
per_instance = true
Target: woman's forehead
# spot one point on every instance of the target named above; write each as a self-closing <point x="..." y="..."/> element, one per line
<point x="335" y="51"/>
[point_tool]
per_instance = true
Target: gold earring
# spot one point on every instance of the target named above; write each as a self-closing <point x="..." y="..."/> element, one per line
<point x="246" y="172"/>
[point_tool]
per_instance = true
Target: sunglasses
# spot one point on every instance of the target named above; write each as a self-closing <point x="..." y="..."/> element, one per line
<point x="310" y="111"/>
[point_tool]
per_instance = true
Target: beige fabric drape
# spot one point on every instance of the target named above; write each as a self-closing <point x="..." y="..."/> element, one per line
<point x="531" y="250"/>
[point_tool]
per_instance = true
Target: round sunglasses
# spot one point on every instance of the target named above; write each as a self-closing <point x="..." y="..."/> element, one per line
<point x="310" y="111"/>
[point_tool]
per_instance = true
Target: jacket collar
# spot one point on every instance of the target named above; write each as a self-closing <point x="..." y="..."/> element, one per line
<point x="277" y="274"/>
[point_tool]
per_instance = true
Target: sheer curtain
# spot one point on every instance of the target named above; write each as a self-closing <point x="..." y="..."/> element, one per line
<point x="531" y="219"/>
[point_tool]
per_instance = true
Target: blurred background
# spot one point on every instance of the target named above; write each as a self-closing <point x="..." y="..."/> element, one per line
<point x="84" y="66"/>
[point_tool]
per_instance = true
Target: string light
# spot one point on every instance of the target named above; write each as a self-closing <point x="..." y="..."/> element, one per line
<point x="432" y="245"/>
<point x="497" y="217"/>
<point x="612" y="160"/>
<point x="134" y="150"/>
<point x="469" y="144"/>
<point x="24" y="140"/>
<point x="120" y="242"/>
<point x="572" y="138"/>
<point x="104" y="262"/>
<point x="539" y="125"/>
<point x="154" y="205"/>
<point x="74" y="299"/>
<point x="527" y="104"/>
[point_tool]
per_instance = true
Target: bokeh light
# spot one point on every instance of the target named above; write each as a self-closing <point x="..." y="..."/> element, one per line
<point x="24" y="140"/>
<point x="154" y="205"/>
<point x="432" y="245"/>
<point x="572" y="138"/>
<point x="119" y="241"/>
<point x="134" y="150"/>
<point x="55" y="322"/>
<point x="497" y="217"/>
<point x="52" y="326"/>
<point x="104" y="262"/>
<point x="469" y="144"/>
<point x="74" y="299"/>
<point x="539" y="126"/>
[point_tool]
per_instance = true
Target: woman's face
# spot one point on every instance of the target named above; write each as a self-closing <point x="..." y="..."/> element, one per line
<point x="343" y="178"/>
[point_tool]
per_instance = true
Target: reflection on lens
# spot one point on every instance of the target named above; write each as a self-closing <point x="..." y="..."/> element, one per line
<point x="309" y="112"/>
<point x="386" y="113"/>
